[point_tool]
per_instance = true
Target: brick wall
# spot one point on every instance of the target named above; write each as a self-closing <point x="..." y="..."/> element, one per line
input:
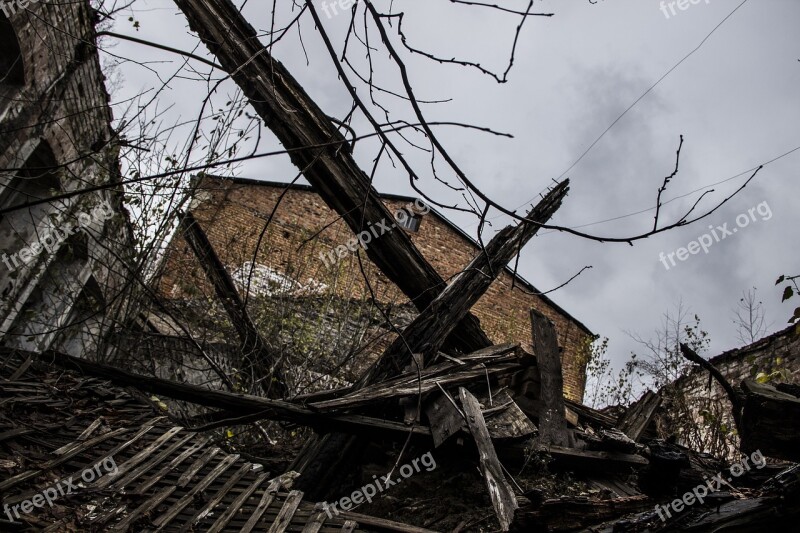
<point x="233" y="214"/>
<point x="777" y="353"/>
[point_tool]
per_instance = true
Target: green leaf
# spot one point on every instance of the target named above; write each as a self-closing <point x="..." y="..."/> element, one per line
<point x="780" y="280"/>
<point x="787" y="293"/>
<point x="762" y="377"/>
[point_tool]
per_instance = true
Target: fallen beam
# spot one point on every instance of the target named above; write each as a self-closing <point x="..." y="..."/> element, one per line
<point x="427" y="331"/>
<point x="239" y="403"/>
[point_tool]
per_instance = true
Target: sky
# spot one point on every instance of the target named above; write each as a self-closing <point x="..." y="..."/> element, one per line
<point x="724" y="74"/>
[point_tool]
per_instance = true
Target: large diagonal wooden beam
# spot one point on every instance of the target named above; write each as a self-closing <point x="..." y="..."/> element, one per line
<point x="318" y="149"/>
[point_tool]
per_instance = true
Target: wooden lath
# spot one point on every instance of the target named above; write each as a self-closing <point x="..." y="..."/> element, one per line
<point x="168" y="478"/>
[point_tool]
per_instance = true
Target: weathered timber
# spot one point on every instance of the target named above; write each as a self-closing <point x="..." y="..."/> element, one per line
<point x="636" y="419"/>
<point x="254" y="347"/>
<point x="504" y="420"/>
<point x="412" y="383"/>
<point x="552" y="423"/>
<point x="240" y="403"/>
<point x="500" y="492"/>
<point x="428" y="330"/>
<point x="592" y="416"/>
<point x="575" y="513"/>
<point x="320" y="151"/>
<point x="574" y="459"/>
<point x="770" y="421"/>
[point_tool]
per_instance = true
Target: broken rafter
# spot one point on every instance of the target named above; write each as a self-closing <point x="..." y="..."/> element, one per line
<point x="427" y="332"/>
<point x="636" y="419"/>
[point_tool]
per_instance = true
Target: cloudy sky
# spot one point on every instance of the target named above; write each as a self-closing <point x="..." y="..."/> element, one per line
<point x="734" y="99"/>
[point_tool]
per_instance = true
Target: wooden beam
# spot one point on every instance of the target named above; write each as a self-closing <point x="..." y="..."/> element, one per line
<point x="637" y="418"/>
<point x="500" y="492"/>
<point x="266" y="408"/>
<point x="552" y="422"/>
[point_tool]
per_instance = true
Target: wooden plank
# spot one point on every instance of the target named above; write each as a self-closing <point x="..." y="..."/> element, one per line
<point x="500" y="492"/>
<point x="285" y="515"/>
<point x="380" y="391"/>
<point x="266" y="500"/>
<point x="146" y="506"/>
<point x="552" y="423"/>
<point x="198" y="444"/>
<point x="146" y="466"/>
<point x="198" y="464"/>
<point x="315" y="520"/>
<point x="444" y="419"/>
<point x="139" y="457"/>
<point x="507" y="421"/>
<point x="73" y="450"/>
<point x="163" y="520"/>
<point x="234" y="507"/>
<point x="214" y="501"/>
<point x="504" y="421"/>
<point x="636" y="419"/>
<point x="265" y="408"/>
<point x="368" y="522"/>
<point x="349" y="526"/>
<point x="89" y="430"/>
<point x="252" y="343"/>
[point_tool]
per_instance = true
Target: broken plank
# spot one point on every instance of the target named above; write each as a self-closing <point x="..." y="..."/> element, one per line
<point x="285" y="515"/>
<point x="500" y="492"/>
<point x="552" y="423"/>
<point x="234" y="507"/>
<point x="636" y="419"/>
<point x="266" y="500"/>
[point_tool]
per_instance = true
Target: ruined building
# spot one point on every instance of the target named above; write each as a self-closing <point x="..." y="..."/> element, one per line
<point x="60" y="271"/>
<point x="304" y="261"/>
